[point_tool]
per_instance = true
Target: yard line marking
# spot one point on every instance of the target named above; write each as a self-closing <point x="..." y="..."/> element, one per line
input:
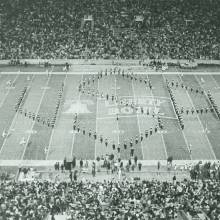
<point x="117" y="105"/>
<point x="33" y="123"/>
<point x="11" y="126"/>
<point x="96" y="120"/>
<point x="171" y="100"/>
<point x="205" y="94"/>
<point x="212" y="151"/>
<point x="183" y="133"/>
<point x="216" y="83"/>
<point x="164" y="145"/>
<point x="74" y="133"/>
<point x="53" y="130"/>
<point x="133" y="115"/>
<point x="138" y="122"/>
<point x="152" y="97"/>
<point x="6" y="95"/>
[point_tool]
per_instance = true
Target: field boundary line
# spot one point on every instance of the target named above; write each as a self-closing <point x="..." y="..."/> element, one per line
<point x="164" y="145"/>
<point x="45" y="163"/>
<point x="74" y="134"/>
<point x="33" y="123"/>
<point x="137" y="116"/>
<point x="12" y="123"/>
<point x="93" y="72"/>
<point x="6" y="95"/>
<point x="53" y="130"/>
<point x="149" y="96"/>
<point x="183" y="133"/>
<point x="190" y="99"/>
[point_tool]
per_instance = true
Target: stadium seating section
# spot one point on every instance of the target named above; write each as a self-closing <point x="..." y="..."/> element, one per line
<point x="55" y="29"/>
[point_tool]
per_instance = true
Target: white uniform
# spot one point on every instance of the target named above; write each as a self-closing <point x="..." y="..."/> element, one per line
<point x="4" y="134"/>
<point x="22" y="142"/>
<point x="202" y="80"/>
<point x="45" y="150"/>
<point x="9" y="83"/>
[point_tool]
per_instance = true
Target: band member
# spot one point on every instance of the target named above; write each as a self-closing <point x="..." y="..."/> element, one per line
<point x="106" y="142"/>
<point x="119" y="148"/>
<point x="125" y="145"/>
<point x="83" y="130"/>
<point x="23" y="141"/>
<point x="113" y="145"/>
<point x="146" y="133"/>
<point x="95" y="135"/>
<point x="141" y="137"/>
<point x="101" y="138"/>
<point x="4" y="134"/>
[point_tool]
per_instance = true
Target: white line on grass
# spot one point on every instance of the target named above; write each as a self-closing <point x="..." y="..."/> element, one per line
<point x="6" y="95"/>
<point x="33" y="123"/>
<point x="152" y="97"/>
<point x="183" y="133"/>
<point x="138" y="122"/>
<point x="11" y="126"/>
<point x="53" y="130"/>
<point x="117" y="105"/>
<point x="74" y="134"/>
<point x="96" y="121"/>
<point x="132" y="115"/>
<point x="214" y="80"/>
<point x="92" y="72"/>
<point x="170" y="100"/>
<point x="164" y="145"/>
<point x="205" y="93"/>
<point x="210" y="146"/>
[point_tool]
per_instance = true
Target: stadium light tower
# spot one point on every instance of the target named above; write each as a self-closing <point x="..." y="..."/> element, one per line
<point x="87" y="18"/>
<point x="188" y="21"/>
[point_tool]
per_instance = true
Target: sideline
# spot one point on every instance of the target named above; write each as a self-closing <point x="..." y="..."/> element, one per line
<point x="144" y="72"/>
<point x="43" y="163"/>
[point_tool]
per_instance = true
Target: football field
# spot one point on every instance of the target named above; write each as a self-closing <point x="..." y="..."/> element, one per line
<point x="200" y="139"/>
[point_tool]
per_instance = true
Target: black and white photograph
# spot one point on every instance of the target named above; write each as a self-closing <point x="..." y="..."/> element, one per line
<point x="109" y="109"/>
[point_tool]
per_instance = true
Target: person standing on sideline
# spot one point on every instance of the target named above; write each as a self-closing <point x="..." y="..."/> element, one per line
<point x="158" y="167"/>
<point x="81" y="163"/>
<point x="93" y="169"/>
<point x="174" y="180"/>
<point x="119" y="174"/>
<point x="71" y="176"/>
<point x="135" y="160"/>
<point x="139" y="166"/>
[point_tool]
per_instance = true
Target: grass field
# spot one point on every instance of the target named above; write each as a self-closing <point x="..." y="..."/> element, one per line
<point x="99" y="115"/>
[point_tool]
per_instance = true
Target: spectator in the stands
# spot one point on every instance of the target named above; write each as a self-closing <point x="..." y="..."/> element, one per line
<point x="55" y="29"/>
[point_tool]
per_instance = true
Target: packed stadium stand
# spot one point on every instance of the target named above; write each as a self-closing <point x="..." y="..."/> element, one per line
<point x="77" y="80"/>
<point x="184" y="29"/>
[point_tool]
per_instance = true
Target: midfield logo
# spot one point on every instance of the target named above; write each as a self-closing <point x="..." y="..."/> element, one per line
<point x="77" y="106"/>
<point x="141" y="105"/>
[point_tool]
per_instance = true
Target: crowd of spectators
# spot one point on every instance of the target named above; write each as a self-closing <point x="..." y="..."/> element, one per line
<point x="206" y="170"/>
<point x="109" y="199"/>
<point x="55" y="29"/>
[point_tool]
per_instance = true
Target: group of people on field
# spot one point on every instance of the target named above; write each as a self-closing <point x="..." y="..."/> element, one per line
<point x="84" y="87"/>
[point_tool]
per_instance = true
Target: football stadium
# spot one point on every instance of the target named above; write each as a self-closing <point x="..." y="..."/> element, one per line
<point x="109" y="110"/>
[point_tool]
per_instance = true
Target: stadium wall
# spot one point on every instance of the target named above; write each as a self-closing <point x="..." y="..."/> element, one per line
<point x="108" y="62"/>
